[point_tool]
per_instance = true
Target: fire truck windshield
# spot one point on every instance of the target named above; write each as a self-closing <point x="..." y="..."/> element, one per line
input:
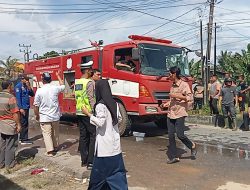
<point x="157" y="59"/>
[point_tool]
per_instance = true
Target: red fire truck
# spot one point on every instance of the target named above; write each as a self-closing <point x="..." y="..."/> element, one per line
<point x="137" y="72"/>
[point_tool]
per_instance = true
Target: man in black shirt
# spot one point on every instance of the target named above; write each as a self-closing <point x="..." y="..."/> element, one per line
<point x="242" y="88"/>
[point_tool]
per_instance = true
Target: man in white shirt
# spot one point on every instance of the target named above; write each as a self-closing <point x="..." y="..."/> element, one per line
<point x="47" y="111"/>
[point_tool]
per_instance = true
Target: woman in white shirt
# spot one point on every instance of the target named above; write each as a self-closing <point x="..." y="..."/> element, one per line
<point x="108" y="170"/>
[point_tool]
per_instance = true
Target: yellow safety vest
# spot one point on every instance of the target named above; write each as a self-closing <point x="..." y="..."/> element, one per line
<point x="81" y="95"/>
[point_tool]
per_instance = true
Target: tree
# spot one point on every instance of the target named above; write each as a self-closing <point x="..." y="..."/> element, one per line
<point x="237" y="63"/>
<point x="195" y="68"/>
<point x="9" y="67"/>
<point x="49" y="54"/>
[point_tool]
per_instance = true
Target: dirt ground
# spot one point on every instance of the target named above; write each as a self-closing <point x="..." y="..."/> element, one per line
<point x="20" y="177"/>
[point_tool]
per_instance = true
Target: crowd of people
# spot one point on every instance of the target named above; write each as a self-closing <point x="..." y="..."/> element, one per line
<point x="227" y="96"/>
<point x="98" y="118"/>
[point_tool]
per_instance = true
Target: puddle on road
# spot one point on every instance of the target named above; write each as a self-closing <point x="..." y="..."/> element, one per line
<point x="219" y="149"/>
<point x="239" y="152"/>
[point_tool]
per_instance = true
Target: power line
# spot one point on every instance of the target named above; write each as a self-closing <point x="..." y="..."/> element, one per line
<point x="97" y="29"/>
<point x="172" y="20"/>
<point x="231" y="42"/>
<point x="139" y="7"/>
<point x="82" y="11"/>
<point x="81" y="29"/>
<point x="55" y="5"/>
<point x="234" y="11"/>
<point x="145" y="13"/>
<point x="94" y="24"/>
<point x="169" y="36"/>
<point x="237" y="32"/>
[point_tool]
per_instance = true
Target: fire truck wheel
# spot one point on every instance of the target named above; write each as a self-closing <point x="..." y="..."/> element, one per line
<point x="125" y="120"/>
<point x="162" y="123"/>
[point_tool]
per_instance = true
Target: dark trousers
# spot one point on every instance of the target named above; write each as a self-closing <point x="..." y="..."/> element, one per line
<point x="229" y="110"/>
<point x="108" y="173"/>
<point x="246" y="121"/>
<point x="176" y="126"/>
<point x="214" y="106"/>
<point x="198" y="103"/>
<point x="242" y="104"/>
<point x="8" y="146"/>
<point x="25" y="126"/>
<point x="87" y="139"/>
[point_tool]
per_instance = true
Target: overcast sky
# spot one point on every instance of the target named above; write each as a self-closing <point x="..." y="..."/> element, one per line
<point x="114" y="20"/>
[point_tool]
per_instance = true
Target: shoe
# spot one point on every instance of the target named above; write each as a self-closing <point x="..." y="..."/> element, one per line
<point x="27" y="142"/>
<point x="84" y="164"/>
<point x="194" y="152"/>
<point x="2" y="166"/>
<point x="235" y="129"/>
<point x="56" y="149"/>
<point x="50" y="154"/>
<point x="174" y="160"/>
<point x="89" y="166"/>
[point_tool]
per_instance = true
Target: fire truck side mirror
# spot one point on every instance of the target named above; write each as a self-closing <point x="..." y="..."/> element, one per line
<point x="135" y="54"/>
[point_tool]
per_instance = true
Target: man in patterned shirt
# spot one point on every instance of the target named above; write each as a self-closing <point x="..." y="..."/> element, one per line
<point x="9" y="126"/>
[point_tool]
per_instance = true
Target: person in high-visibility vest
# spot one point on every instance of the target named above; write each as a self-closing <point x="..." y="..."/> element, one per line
<point x="84" y="95"/>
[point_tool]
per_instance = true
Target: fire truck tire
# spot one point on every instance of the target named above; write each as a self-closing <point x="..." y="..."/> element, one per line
<point x="161" y="123"/>
<point x="125" y="120"/>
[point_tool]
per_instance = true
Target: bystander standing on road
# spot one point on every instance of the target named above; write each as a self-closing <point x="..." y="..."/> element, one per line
<point x="108" y="170"/>
<point x="23" y="92"/>
<point x="9" y="126"/>
<point x="180" y="97"/>
<point x="96" y="75"/>
<point x="209" y="99"/>
<point x="242" y="89"/>
<point x="47" y="111"/>
<point x="229" y="75"/>
<point x="198" y="94"/>
<point x="84" y="94"/>
<point x="214" y="93"/>
<point x="228" y="95"/>
<point x="194" y="84"/>
<point x="246" y="120"/>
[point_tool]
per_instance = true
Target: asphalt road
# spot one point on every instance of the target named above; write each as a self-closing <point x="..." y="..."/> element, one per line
<point x="147" y="167"/>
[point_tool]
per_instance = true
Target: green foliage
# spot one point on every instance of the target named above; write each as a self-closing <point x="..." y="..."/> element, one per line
<point x="204" y="111"/>
<point x="9" y="67"/>
<point x="195" y="68"/>
<point x="235" y="63"/>
<point x="49" y="54"/>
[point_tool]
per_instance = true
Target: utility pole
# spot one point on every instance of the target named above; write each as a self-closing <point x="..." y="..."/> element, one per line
<point x="215" y="31"/>
<point x="209" y="40"/>
<point x="26" y="51"/>
<point x="202" y="63"/>
<point x="202" y="56"/>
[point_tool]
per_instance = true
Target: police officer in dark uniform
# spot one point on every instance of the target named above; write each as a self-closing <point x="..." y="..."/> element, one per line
<point x="23" y="93"/>
<point x="228" y="95"/>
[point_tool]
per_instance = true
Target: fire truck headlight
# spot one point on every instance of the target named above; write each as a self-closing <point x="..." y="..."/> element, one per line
<point x="150" y="109"/>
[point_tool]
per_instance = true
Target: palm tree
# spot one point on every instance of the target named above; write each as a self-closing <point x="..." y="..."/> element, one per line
<point x="9" y="67"/>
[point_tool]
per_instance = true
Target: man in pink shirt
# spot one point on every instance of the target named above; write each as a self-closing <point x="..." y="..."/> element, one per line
<point x="180" y="97"/>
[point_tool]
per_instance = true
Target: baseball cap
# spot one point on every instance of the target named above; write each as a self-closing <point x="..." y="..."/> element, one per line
<point x="228" y="80"/>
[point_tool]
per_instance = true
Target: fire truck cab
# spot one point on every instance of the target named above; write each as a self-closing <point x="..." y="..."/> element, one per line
<point x="137" y="72"/>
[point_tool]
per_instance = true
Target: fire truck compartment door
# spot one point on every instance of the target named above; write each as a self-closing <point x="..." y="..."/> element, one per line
<point x="124" y="88"/>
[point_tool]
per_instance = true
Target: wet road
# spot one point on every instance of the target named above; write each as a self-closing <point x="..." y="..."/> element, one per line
<point x="146" y="161"/>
